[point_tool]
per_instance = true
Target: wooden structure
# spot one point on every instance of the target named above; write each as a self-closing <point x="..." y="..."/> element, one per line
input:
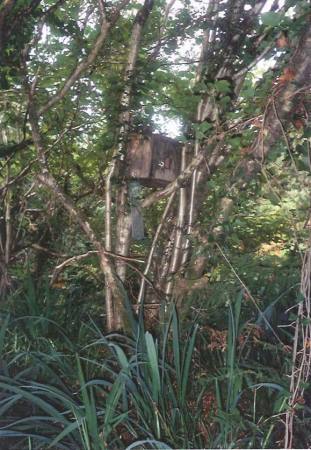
<point x="153" y="160"/>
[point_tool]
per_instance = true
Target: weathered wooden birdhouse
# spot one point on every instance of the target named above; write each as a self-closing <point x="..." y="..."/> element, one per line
<point x="153" y="160"/>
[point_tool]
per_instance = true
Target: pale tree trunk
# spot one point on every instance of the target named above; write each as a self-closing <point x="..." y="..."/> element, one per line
<point x="177" y="252"/>
<point x="187" y="200"/>
<point x="162" y="260"/>
<point x="150" y="308"/>
<point x="123" y="227"/>
<point x="153" y="247"/>
<point x="123" y="230"/>
<point x="8" y="225"/>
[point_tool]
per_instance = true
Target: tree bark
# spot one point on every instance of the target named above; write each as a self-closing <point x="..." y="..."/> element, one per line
<point x="123" y="227"/>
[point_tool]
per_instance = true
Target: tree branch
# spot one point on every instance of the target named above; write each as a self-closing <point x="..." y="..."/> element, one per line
<point x="88" y="61"/>
<point x="283" y="100"/>
<point x="111" y="279"/>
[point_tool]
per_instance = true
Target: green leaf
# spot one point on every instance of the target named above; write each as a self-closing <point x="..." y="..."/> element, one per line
<point x="307" y="132"/>
<point x="202" y="128"/>
<point x="223" y="86"/>
<point x="141" y="444"/>
<point x="3" y="330"/>
<point x="153" y="366"/>
<point x="176" y="348"/>
<point x="186" y="364"/>
<point x="271" y="19"/>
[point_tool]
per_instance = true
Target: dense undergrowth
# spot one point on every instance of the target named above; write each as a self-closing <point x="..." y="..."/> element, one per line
<point x="185" y="385"/>
<point x="229" y="80"/>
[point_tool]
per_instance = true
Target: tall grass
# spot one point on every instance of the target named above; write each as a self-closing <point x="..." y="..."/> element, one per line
<point x="135" y="389"/>
<point x="249" y="406"/>
<point x="100" y="392"/>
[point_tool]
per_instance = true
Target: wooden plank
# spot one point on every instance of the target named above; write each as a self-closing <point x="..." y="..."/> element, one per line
<point x="166" y="159"/>
<point x="153" y="160"/>
<point x="139" y="157"/>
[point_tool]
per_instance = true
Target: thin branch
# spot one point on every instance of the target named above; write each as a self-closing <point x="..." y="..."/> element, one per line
<point x="157" y="47"/>
<point x="48" y="251"/>
<point x="253" y="63"/>
<point x="153" y="247"/>
<point x="19" y="176"/>
<point x="76" y="258"/>
<point x="88" y="61"/>
<point x="249" y="294"/>
<point x="285" y="136"/>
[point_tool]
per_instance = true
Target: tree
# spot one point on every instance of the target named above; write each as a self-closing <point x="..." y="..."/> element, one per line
<point x="79" y="79"/>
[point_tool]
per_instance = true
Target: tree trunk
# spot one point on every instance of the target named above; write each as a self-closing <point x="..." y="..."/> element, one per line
<point x="123" y="229"/>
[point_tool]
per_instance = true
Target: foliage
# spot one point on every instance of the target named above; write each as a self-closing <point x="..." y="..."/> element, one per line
<point x="213" y="370"/>
<point x="116" y="391"/>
